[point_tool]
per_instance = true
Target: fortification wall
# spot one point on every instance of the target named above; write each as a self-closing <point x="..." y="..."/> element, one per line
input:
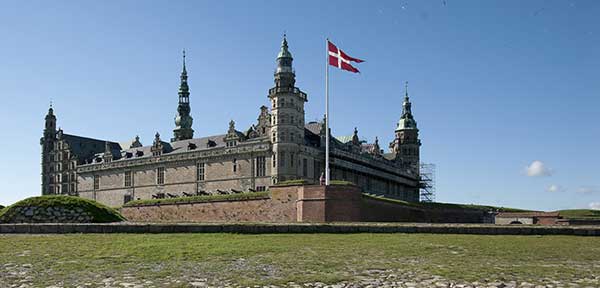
<point x="303" y="203"/>
<point x="280" y="207"/>
<point x="374" y="210"/>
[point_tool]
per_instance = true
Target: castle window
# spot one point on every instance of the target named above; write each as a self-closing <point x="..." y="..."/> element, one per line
<point x="282" y="159"/>
<point x="200" y="172"/>
<point x="274" y="160"/>
<point x="127" y="198"/>
<point x="73" y="188"/>
<point x="260" y="166"/>
<point x="274" y="137"/>
<point x="305" y="167"/>
<point x="292" y="119"/>
<point x="261" y="188"/>
<point x="292" y="159"/>
<point x="263" y="130"/>
<point x="96" y="182"/>
<point x="128" y="179"/>
<point x="316" y="169"/>
<point x="72" y="165"/>
<point x="160" y="175"/>
<point x="234" y="165"/>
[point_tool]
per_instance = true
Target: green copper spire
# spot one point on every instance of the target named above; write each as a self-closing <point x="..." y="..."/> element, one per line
<point x="407" y="120"/>
<point x="284" y="73"/>
<point x="183" y="121"/>
<point x="284" y="52"/>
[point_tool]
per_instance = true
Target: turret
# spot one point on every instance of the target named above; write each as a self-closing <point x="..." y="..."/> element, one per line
<point x="47" y="143"/>
<point x="183" y="121"/>
<point x="287" y="118"/>
<point x="406" y="144"/>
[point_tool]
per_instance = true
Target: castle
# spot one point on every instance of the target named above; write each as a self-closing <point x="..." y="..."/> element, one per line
<point x="280" y="146"/>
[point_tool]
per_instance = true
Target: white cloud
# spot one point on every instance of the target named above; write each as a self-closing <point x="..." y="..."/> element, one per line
<point x="595" y="205"/>
<point x="555" y="188"/>
<point x="588" y="189"/>
<point x="537" y="168"/>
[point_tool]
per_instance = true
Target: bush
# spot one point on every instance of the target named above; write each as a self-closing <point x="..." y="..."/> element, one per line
<point x="199" y="199"/>
<point x="72" y="208"/>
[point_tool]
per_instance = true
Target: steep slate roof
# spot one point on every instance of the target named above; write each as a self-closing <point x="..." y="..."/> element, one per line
<point x="85" y="148"/>
<point x="171" y="148"/>
<point x="314" y="127"/>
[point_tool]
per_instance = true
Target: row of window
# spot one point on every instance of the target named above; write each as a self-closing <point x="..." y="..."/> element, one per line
<point x="283" y="137"/>
<point x="283" y="119"/>
<point x="200" y="173"/>
<point x="64" y="189"/>
<point x="59" y="166"/>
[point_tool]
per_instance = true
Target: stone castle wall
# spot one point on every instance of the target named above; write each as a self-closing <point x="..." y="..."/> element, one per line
<point x="308" y="203"/>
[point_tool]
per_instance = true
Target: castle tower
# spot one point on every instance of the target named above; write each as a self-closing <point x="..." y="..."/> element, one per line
<point x="287" y="117"/>
<point x="183" y="121"/>
<point x="406" y="143"/>
<point x="47" y="143"/>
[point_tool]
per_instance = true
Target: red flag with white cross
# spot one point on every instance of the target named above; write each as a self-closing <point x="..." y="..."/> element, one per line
<point x="339" y="59"/>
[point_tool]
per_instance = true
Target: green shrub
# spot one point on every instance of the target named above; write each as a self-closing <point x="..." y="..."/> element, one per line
<point x="199" y="199"/>
<point x="99" y="212"/>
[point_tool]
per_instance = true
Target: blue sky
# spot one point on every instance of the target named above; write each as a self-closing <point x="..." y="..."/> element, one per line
<point x="495" y="85"/>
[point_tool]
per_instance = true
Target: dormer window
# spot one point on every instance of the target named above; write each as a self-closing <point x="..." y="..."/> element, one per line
<point x="128" y="155"/>
<point x="139" y="153"/>
<point x="192" y="146"/>
<point x="211" y="143"/>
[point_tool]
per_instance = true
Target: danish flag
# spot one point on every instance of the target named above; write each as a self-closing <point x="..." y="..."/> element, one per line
<point x="339" y="59"/>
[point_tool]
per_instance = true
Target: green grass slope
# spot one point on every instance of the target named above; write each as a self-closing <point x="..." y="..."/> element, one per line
<point x="99" y="212"/>
<point x="580" y="213"/>
<point x="435" y="205"/>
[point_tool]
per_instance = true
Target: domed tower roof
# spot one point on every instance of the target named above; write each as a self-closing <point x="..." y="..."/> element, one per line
<point x="284" y="52"/>
<point x="407" y="121"/>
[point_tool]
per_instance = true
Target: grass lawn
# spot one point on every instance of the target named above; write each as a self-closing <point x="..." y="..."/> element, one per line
<point x="580" y="213"/>
<point x="176" y="260"/>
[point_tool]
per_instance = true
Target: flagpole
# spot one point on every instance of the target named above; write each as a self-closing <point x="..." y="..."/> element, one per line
<point x="327" y="112"/>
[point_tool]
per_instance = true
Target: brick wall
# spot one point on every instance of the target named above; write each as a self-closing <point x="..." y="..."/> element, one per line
<point x="308" y="203"/>
<point x="280" y="207"/>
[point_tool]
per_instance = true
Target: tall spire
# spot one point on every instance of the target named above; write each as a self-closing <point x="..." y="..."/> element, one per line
<point x="284" y="73"/>
<point x="407" y="120"/>
<point x="183" y="121"/>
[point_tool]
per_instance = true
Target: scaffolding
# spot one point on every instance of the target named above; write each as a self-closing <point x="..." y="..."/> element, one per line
<point x="427" y="182"/>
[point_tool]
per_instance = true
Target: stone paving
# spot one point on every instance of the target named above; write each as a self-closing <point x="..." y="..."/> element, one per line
<point x="23" y="276"/>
